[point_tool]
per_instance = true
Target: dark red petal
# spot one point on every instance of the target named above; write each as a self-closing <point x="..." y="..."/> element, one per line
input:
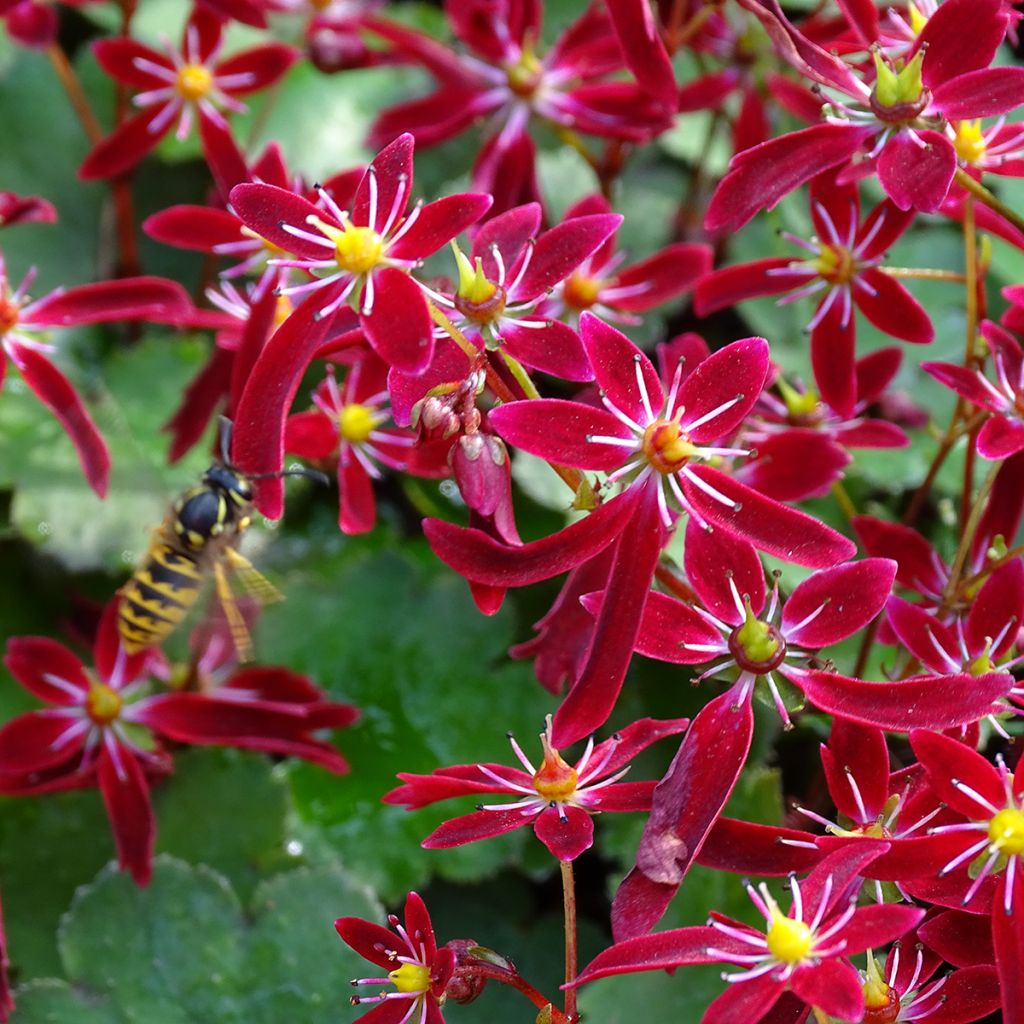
<point x="736" y="372"/>
<point x="1008" y="938"/>
<point x="369" y="940"/>
<point x="915" y="857"/>
<point x="392" y="169"/>
<point x="914" y="556"/>
<point x="795" y="464"/>
<point x="850" y="596"/>
<point x="894" y="222"/>
<point x="985" y="93"/>
<point x="916" y="176"/>
<point x="964" y="940"/>
<point x="193" y="227"/>
<point x="553" y="348"/>
<point x="745" y="1001"/>
<point x="759" y="177"/>
<point x="118" y="56"/>
<point x="592" y="698"/>
<point x="714" y="560"/>
<point x="130" y="298"/>
<point x="477" y="556"/>
<point x="258" y="439"/>
<point x="686" y="804"/>
<point x="310" y="435"/>
<point x="748" y="849"/>
<point x="659" y="951"/>
<point x="643" y="50"/>
<point x="946" y="760"/>
<point x="126" y="797"/>
<point x="560" y="250"/>
<point x="892" y="308"/>
<point x="960" y="36"/>
<point x="921" y="702"/>
<point x="558" y="431"/>
<point x="837" y="877"/>
<point x="670" y="272"/>
<point x="832" y="985"/>
<point x="470" y="827"/>
<point x="1000" y="438"/>
<point x="418" y="926"/>
<point x="872" y="434"/>
<point x="357" y="507"/>
<point x="667" y="627"/>
<point x="30" y="742"/>
<point x="725" y="287"/>
<point x="438" y="223"/>
<point x="125" y="146"/>
<point x="265" y="208"/>
<point x="876" y="926"/>
<point x="54" y="390"/>
<point x="201" y="397"/>
<point x="999" y="602"/>
<point x="968" y="995"/>
<point x="223" y="157"/>
<point x="861" y="751"/>
<point x="399" y="326"/>
<point x="31" y="658"/>
<point x="776" y="529"/>
<point x="264" y="64"/>
<point x="509" y="231"/>
<point x="566" y="839"/>
<point x="833" y="340"/>
<point x="615" y="359"/>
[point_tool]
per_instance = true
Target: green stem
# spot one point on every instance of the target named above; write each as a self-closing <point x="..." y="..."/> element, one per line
<point x="983" y="195"/>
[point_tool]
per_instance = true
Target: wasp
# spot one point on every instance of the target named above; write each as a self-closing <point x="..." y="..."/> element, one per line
<point x="200" y="535"/>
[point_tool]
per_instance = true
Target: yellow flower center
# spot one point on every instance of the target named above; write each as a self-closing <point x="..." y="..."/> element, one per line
<point x="969" y="142"/>
<point x="194" y="81"/>
<point x="788" y="940"/>
<point x="555" y="779"/>
<point x="881" y="1002"/>
<point x="410" y="978"/>
<point x="666" y="447"/>
<point x="836" y="264"/>
<point x="917" y="19"/>
<point x="581" y="291"/>
<point x="474" y="285"/>
<point x="103" y="703"/>
<point x="356" y="422"/>
<point x="1006" y="831"/>
<point x="524" y="76"/>
<point x="282" y="310"/>
<point x="357" y="250"/>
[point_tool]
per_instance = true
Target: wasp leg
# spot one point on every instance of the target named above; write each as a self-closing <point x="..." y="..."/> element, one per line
<point x="236" y="622"/>
<point x="255" y="583"/>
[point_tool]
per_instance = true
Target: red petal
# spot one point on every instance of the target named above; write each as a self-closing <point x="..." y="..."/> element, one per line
<point x="558" y="431"/>
<point x="894" y="222"/>
<point x="193" y="227"/>
<point x="850" y="596"/>
<point x="834" y="986"/>
<point x="914" y="556"/>
<point x="418" y="926"/>
<point x="946" y="760"/>
<point x="667" y="274"/>
<point x="737" y="371"/>
<point x="310" y="435"/>
<point x="860" y="750"/>
<point x="960" y="35"/>
<point x="592" y="698"/>
<point x="126" y="797"/>
<point x="876" y="926"/>
<point x="357" y="508"/>
<point x="470" y="827"/>
<point x="915" y="176"/>
<point x="258" y="439"/>
<point x="369" y="940"/>
<point x="475" y="555"/>
<point x="1000" y="438"/>
<point x="965" y="940"/>
<point x="832" y="355"/>
<point x="668" y="626"/>
<point x="399" y="327"/>
<point x="509" y="231"/>
<point x="776" y="529"/>
<point x="892" y="308"/>
<point x="922" y="702"/>
<point x="130" y="298"/>
<point x="31" y="658"/>
<point x="1008" y="938"/>
<point x="263" y="64"/>
<point x="796" y="464"/>
<point x="713" y="560"/>
<point x="726" y="287"/>
<point x="615" y="359"/>
<point x="202" y="395"/>
<point x="1000" y="600"/>
<point x="54" y="390"/>
<point x="643" y="50"/>
<point x="561" y="250"/>
<point x="759" y="177"/>
<point x="31" y="742"/>
<point x="223" y="157"/>
<point x="985" y="93"/>
<point x="744" y="1001"/>
<point x="554" y="348"/>
<point x="118" y="58"/>
<point x="392" y="170"/>
<point x="566" y="839"/>
<point x="265" y="208"/>
<point x="438" y="223"/>
<point x="748" y="849"/>
<point x="686" y="804"/>
<point x="125" y="146"/>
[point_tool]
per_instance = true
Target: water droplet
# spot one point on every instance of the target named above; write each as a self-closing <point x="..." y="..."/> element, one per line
<point x="294" y="848"/>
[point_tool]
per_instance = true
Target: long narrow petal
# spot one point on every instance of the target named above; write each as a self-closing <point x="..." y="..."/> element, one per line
<point x="670" y="272"/>
<point x="745" y="1001"/>
<point x="946" y="760"/>
<point x="438" y="223"/>
<point x="126" y="797"/>
<point x="891" y="308"/>
<point x="30" y="659"/>
<point x="129" y="298"/>
<point x="266" y="208"/>
<point x="832" y="985"/>
<point x="477" y="556"/>
<point x="833" y="341"/>
<point x="667" y="629"/>
<point x="54" y="390"/>
<point x="468" y="828"/>
<point x="877" y="926"/>
<point x="1008" y="937"/>
<point x="614" y="359"/>
<point x="125" y="146"/>
<point x="399" y="326"/>
<point x="726" y="287"/>
<point x="592" y="698"/>
<point x="988" y="92"/>
<point x="32" y="742"/>
<point x="922" y="702"/>
<point x="392" y="169"/>
<point x="745" y="848"/>
<point x="643" y="50"/>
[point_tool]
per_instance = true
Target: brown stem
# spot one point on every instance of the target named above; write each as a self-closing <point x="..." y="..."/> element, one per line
<point x="571" y="947"/>
<point x="924" y="274"/>
<point x="69" y="80"/>
<point x="983" y="195"/>
<point x="967" y="537"/>
<point x="520" y="984"/>
<point x="674" y="585"/>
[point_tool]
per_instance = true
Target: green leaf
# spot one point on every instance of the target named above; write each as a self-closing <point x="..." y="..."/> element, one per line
<point x="51" y="1001"/>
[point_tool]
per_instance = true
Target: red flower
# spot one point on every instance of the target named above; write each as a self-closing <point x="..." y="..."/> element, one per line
<point x="15" y="209"/>
<point x="557" y="799"/>
<point x="419" y="971"/>
<point x="804" y="951"/>
<point x="105" y="726"/>
<point x="843" y="267"/>
<point x="365" y="255"/>
<point x="181" y="85"/>
<point x="23" y="323"/>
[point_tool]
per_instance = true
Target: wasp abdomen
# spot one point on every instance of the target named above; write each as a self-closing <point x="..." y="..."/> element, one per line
<point x="157" y="597"/>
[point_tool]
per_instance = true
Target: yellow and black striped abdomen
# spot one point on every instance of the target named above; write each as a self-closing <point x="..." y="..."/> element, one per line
<point x="158" y="596"/>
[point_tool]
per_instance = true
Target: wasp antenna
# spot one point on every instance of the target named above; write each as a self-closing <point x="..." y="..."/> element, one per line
<point x="226" y="428"/>
<point x="312" y="474"/>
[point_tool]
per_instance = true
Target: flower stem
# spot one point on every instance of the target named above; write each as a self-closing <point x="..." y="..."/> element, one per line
<point x="983" y="195"/>
<point x="842" y="496"/>
<point x="496" y="384"/>
<point x="967" y="538"/>
<point x="571" y="948"/>
<point x="73" y="88"/>
<point x="924" y="273"/>
<point x="971" y="305"/>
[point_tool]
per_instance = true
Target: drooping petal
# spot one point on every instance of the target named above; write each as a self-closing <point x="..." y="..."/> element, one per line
<point x="833" y="986"/>
<point x="833" y="342"/>
<point x="916" y="176"/>
<point x="125" y="146"/>
<point x="891" y="308"/>
<point x="592" y="698"/>
<point x="199" y="402"/>
<point x="559" y="431"/>
<point x="357" y="507"/>
<point x="126" y="797"/>
<point x="477" y="556"/>
<point x="566" y="838"/>
<point x="918" y="566"/>
<point x="643" y="50"/>
<point x="745" y="848"/>
<point x="1008" y="938"/>
<point x="921" y="702"/>
<point x="686" y="804"/>
<point x="399" y="326"/>
<point x="54" y="390"/>
<point x="849" y="597"/>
